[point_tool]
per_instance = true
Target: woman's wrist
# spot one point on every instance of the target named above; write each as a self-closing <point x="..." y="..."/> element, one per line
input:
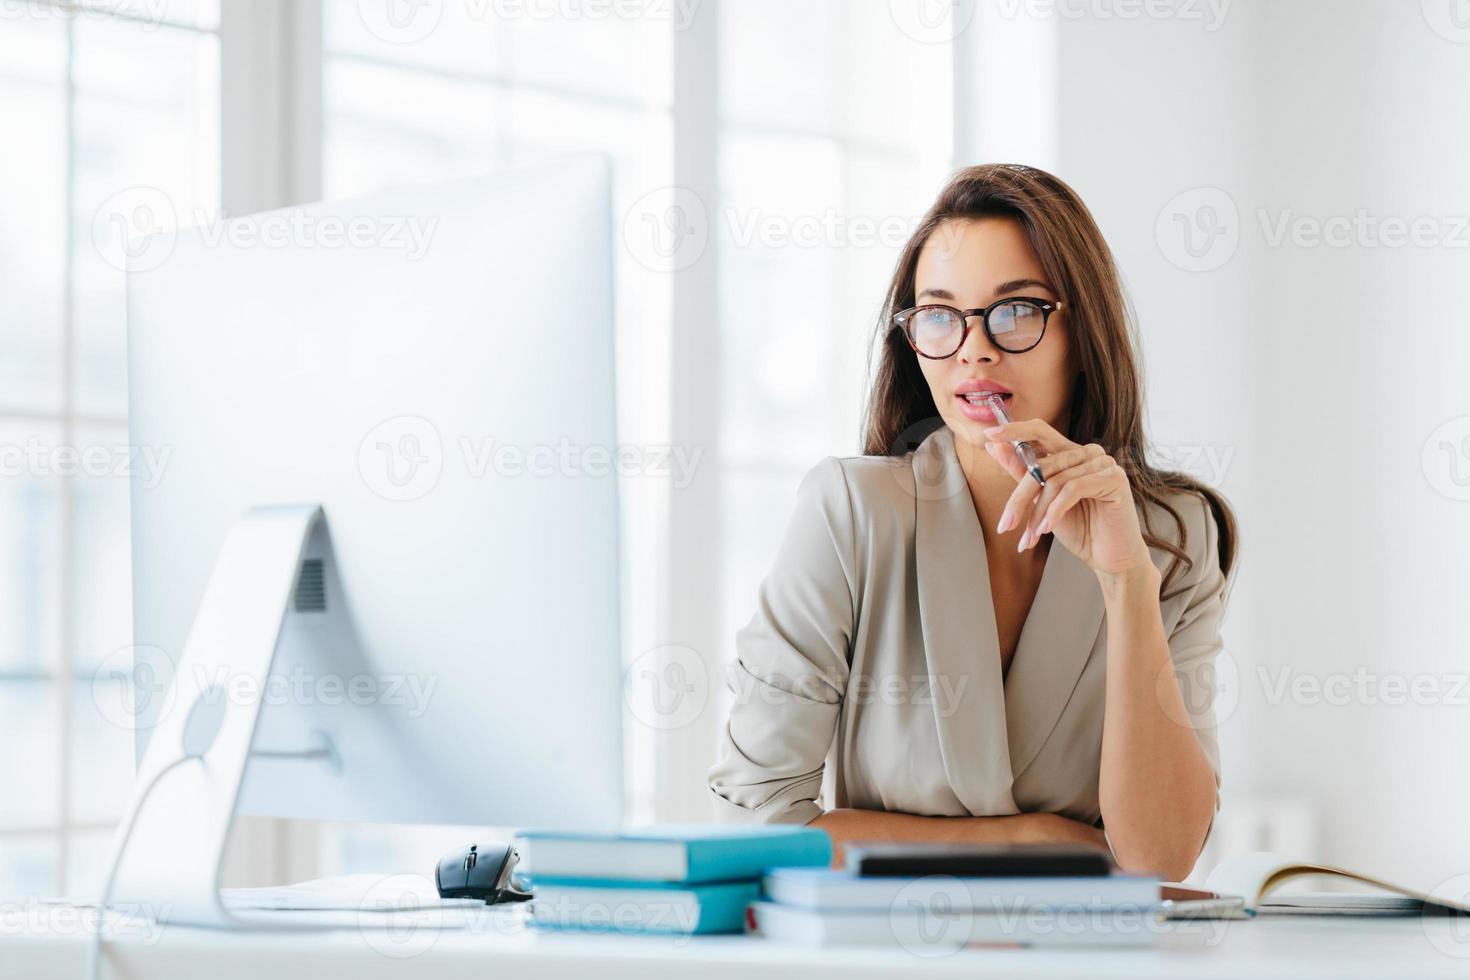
<point x="1141" y="579"/>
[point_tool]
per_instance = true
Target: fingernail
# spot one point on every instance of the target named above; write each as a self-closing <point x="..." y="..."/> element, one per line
<point x="1044" y="526"/>
<point x="1022" y="545"/>
<point x="994" y="430"/>
<point x="1005" y="522"/>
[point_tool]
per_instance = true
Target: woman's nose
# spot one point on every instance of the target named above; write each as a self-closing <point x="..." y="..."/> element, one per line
<point x="977" y="346"/>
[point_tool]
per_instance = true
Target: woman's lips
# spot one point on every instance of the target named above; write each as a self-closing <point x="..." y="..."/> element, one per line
<point x="979" y="411"/>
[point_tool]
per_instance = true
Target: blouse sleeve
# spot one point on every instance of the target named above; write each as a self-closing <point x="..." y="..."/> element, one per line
<point x="1195" y="645"/>
<point x="791" y="664"/>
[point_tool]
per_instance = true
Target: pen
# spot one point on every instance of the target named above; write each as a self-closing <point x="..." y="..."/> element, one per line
<point x="1022" y="447"/>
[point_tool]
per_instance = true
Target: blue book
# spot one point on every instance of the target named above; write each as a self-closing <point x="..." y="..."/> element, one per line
<point x="667" y="908"/>
<point x="689" y="853"/>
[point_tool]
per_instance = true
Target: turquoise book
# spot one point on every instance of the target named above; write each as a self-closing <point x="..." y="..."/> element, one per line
<point x="686" y="853"/>
<point x="648" y="907"/>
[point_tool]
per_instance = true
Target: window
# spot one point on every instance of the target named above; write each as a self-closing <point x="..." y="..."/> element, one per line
<point x="112" y="121"/>
<point x="828" y="155"/>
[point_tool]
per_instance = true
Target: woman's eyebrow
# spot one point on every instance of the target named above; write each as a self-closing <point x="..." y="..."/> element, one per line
<point x="1001" y="290"/>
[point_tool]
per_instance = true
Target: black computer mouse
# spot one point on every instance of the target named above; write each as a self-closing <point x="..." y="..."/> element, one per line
<point x="483" y="871"/>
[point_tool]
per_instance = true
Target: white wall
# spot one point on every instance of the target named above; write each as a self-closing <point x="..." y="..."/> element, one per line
<point x="1353" y="551"/>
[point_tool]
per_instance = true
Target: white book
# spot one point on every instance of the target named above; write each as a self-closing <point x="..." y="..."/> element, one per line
<point x="824" y="888"/>
<point x="927" y="930"/>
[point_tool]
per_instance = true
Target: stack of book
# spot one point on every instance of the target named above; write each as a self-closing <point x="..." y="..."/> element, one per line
<point x="679" y="880"/>
<point x="929" y="898"/>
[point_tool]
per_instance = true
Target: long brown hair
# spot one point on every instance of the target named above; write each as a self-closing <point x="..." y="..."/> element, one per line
<point x="1107" y="398"/>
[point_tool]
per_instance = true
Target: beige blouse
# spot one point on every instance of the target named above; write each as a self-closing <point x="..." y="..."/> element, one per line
<point x="873" y="650"/>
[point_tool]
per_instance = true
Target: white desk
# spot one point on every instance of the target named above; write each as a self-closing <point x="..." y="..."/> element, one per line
<point x="494" y="943"/>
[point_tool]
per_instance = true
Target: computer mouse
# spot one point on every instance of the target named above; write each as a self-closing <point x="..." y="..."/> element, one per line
<point x="482" y="871"/>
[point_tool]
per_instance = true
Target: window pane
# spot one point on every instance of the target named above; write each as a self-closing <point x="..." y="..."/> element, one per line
<point x="32" y="209"/>
<point x="31" y="777"/>
<point x="101" y="556"/>
<point x="30" y="549"/>
<point x="147" y="158"/>
<point x="387" y="126"/>
<point x="781" y="64"/>
<point x="780" y="273"/>
<point x="28" y="865"/>
<point x="102" y="744"/>
<point x="452" y="37"/>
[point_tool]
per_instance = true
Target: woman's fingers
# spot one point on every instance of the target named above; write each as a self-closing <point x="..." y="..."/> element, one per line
<point x="1018" y="505"/>
<point x="1038" y="432"/>
<point x="1067" y="489"/>
<point x="1023" y="503"/>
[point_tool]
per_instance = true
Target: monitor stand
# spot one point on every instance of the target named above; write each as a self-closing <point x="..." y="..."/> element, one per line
<point x="170" y="845"/>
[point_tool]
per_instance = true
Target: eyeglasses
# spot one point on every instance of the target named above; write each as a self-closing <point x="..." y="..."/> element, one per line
<point x="1014" y="324"/>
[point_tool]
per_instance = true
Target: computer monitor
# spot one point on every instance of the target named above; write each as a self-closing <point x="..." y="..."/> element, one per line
<point x="434" y="368"/>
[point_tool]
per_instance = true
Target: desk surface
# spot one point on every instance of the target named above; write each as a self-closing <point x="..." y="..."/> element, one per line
<point x="41" y="942"/>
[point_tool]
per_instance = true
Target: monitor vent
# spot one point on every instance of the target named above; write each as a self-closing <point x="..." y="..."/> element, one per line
<point x="311" y="587"/>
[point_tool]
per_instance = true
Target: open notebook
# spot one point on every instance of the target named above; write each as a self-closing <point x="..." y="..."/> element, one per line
<point x="1246" y="885"/>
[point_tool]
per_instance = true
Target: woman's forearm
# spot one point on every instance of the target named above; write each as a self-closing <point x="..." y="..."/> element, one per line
<point x="846" y="825"/>
<point x="1156" y="789"/>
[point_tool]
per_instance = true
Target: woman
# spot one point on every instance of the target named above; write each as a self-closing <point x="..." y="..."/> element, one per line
<point x="984" y="658"/>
